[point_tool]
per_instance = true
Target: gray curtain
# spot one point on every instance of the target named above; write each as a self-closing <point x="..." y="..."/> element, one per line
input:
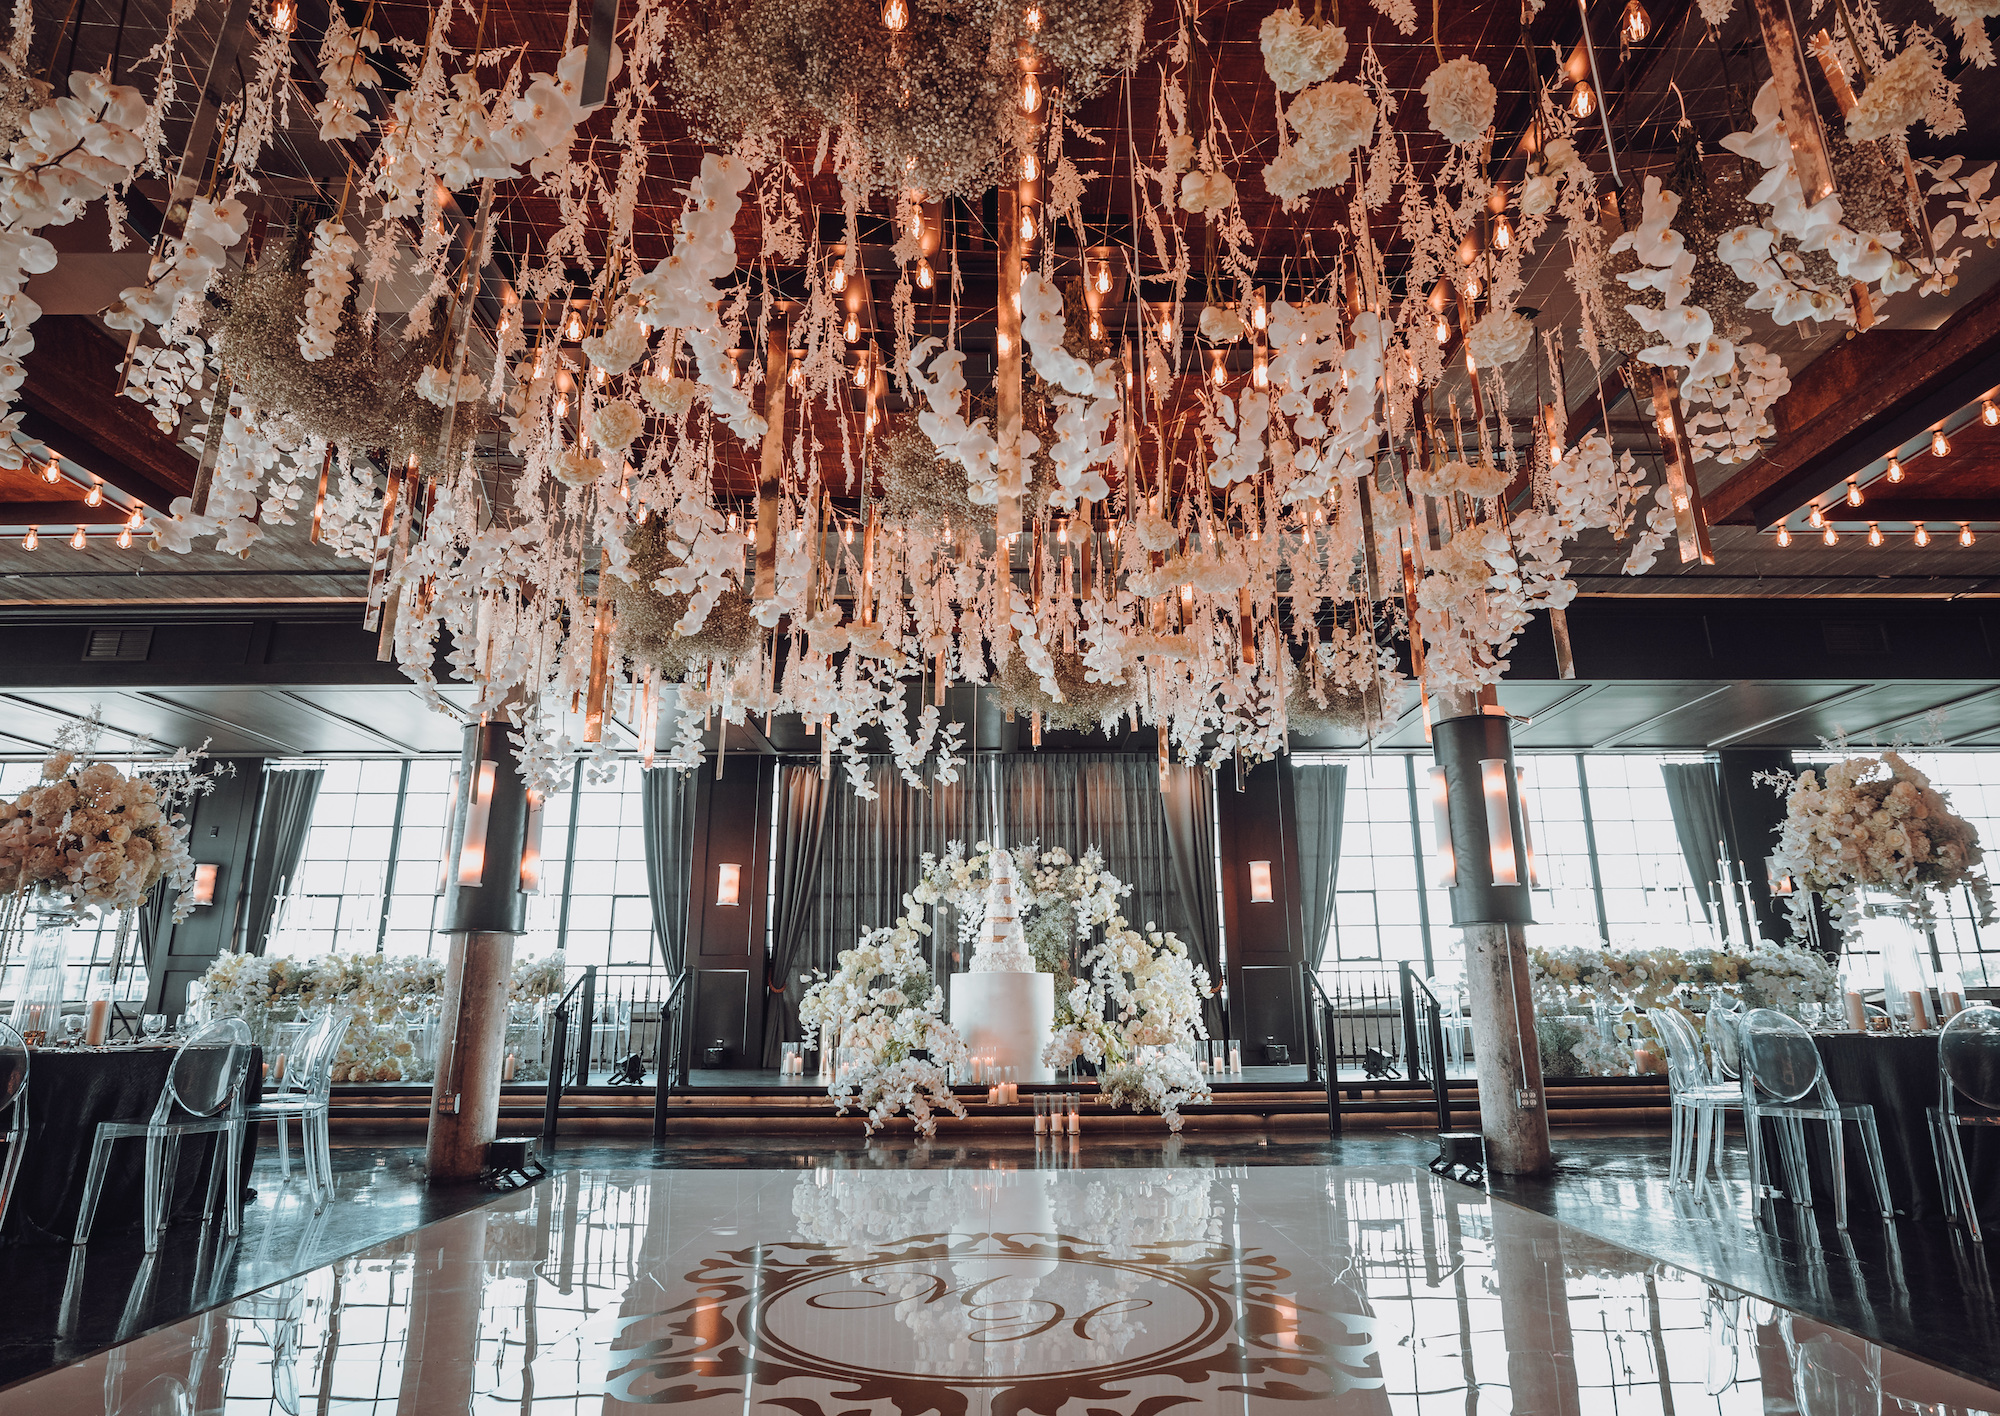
<point x="802" y="800"/>
<point x="1695" y="798"/>
<point x="281" y="842"/>
<point x="667" y="803"/>
<point x="1109" y="800"/>
<point x="1189" y="803"/>
<point x="1319" y="792"/>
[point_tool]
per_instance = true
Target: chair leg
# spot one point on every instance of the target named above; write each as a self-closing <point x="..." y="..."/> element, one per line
<point x="17" y="1140"/>
<point x="1677" y="1113"/>
<point x="93" y="1186"/>
<point x="1792" y="1148"/>
<point x="321" y="1135"/>
<point x="1753" y="1142"/>
<point x="284" y="1146"/>
<point x="1957" y="1179"/>
<point x="1836" y="1145"/>
<point x="1878" y="1171"/>
<point x="163" y="1153"/>
<point x="1704" y="1146"/>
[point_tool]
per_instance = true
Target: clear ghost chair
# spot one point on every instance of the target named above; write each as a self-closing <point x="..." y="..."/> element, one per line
<point x="203" y="1096"/>
<point x="1452" y="1021"/>
<point x="306" y="1092"/>
<point x="1698" y="1103"/>
<point x="1784" y="1081"/>
<point x="14" y="1102"/>
<point x="1968" y="1074"/>
<point x="1725" y="1014"/>
<point x="1831" y="1379"/>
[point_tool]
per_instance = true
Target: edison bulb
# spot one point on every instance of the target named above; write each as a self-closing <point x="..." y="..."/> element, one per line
<point x="1874" y="534"/>
<point x="95" y="496"/>
<point x="1028" y="169"/>
<point x="52" y="473"/>
<point x="1027" y="226"/>
<point x="1940" y="447"/>
<point x="1964" y="534"/>
<point x="852" y="329"/>
<point x="1815" y="517"/>
<point x="1104" y="280"/>
<point x="925" y="278"/>
<point x="1167" y="328"/>
<point x="78" y="539"/>
<point x="1096" y="329"/>
<point x="1583" y="99"/>
<point x="895" y="15"/>
<point x="1989" y="413"/>
<point x="1031" y="94"/>
<point x="574" y="329"/>
<point x="1922" y="535"/>
<point x="32" y="539"/>
<point x="1784" y="535"/>
<point x="1033" y="19"/>
<point x="1635" y="24"/>
<point x="1854" y="494"/>
<point x="562" y="407"/>
<point x="1503" y="233"/>
<point x="124" y="538"/>
<point x="837" y="277"/>
<point x="1895" y="473"/>
<point x="1259" y="317"/>
<point x="1443" y="332"/>
<point x="1830" y="536"/>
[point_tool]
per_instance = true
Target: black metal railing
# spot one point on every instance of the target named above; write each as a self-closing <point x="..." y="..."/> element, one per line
<point x="671" y="1062"/>
<point x="1423" y="1025"/>
<point x="1364" y="1031"/>
<point x="1320" y="1062"/>
<point x="561" y="1017"/>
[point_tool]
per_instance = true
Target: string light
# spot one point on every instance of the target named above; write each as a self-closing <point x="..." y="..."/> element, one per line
<point x="1027" y="226"/>
<point x="925" y="278"/>
<point x="282" y="16"/>
<point x="1895" y="473"/>
<point x="1964" y="533"/>
<point x="562" y="406"/>
<point x="852" y="329"/>
<point x="1815" y="517"/>
<point x="1104" y="278"/>
<point x="1443" y="331"/>
<point x="1096" y="329"/>
<point x="573" y="331"/>
<point x="1503" y="233"/>
<point x="137" y="518"/>
<point x="1031" y="94"/>
<point x="1259" y="317"/>
<point x="1635" y="24"/>
<point x="51" y="473"/>
<point x="1940" y="447"/>
<point x="1472" y="287"/>
<point x="124" y="538"/>
<point x="1260" y="372"/>
<point x="1784" y="535"/>
<point x="32" y="539"/>
<point x="95" y="496"/>
<point x="1830" y="536"/>
<point x="78" y="539"/>
<point x="1922" y="535"/>
<point x="1853" y="492"/>
<point x="1989" y="413"/>
<point x="861" y="373"/>
<point x="837" y="277"/>
<point x="1033" y="19"/>
<point x="1874" y="534"/>
<point x="1028" y="169"/>
<point x="1583" y="99"/>
<point x="895" y="15"/>
<point x="1167" y="328"/>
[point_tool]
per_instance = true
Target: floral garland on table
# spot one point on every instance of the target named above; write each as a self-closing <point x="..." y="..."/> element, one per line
<point x="1138" y="1002"/>
<point x="882" y="1000"/>
<point x="1874" y="823"/>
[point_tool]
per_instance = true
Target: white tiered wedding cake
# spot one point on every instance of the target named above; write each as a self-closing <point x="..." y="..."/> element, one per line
<point x="1003" y="1008"/>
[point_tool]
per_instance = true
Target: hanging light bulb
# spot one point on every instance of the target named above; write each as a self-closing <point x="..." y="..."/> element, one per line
<point x="1784" y="535"/>
<point x="852" y="329"/>
<point x="1167" y="328"/>
<point x="598" y="376"/>
<point x="1028" y="169"/>
<point x="124" y="538"/>
<point x="1152" y="374"/>
<point x="1853" y="492"/>
<point x="861" y="373"/>
<point x="1635" y="24"/>
<point x="1033" y="19"/>
<point x="1104" y="278"/>
<point x="573" y="330"/>
<point x="1260" y="318"/>
<point x="1031" y="94"/>
<point x="78" y="539"/>
<point x="1260" y="371"/>
<point x="1989" y="413"/>
<point x="735" y="373"/>
<point x="562" y="406"/>
<point x="837" y="278"/>
<point x="1895" y="473"/>
<point x="1416" y="375"/>
<point x="95" y="496"/>
<point x="1964" y="533"/>
<point x="32" y="539"/>
<point x="1096" y="329"/>
<point x="1815" y="517"/>
<point x="1922" y="535"/>
<point x="1027" y="225"/>
<point x="1221" y="373"/>
<point x="283" y="15"/>
<point x="847" y="534"/>
<point x="925" y="277"/>
<point x="895" y="15"/>
<point x="1583" y="99"/>
<point x="1443" y="331"/>
<point x="137" y="518"/>
<point x="51" y="473"/>
<point x="1940" y="447"/>
<point x="1874" y="534"/>
<point x="1472" y="287"/>
<point x="797" y="375"/>
<point x="1503" y="232"/>
<point x="1830" y="536"/>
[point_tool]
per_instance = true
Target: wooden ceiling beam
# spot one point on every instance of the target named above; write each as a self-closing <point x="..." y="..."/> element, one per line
<point x="71" y="403"/>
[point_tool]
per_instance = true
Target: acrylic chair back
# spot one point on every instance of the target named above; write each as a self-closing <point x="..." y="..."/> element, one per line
<point x="310" y="1071"/>
<point x="1725" y="1048"/>
<point x="1969" y="1056"/>
<point x="13" y="1069"/>
<point x="1684" y="1069"/>
<point x="1778" y="1057"/>
<point x="208" y="1071"/>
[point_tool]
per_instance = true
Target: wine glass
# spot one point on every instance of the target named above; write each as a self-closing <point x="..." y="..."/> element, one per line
<point x="153" y="1024"/>
<point x="72" y="1029"/>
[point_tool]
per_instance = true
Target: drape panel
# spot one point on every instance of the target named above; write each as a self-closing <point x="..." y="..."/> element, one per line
<point x="1320" y="794"/>
<point x="666" y="797"/>
<point x="1109" y="800"/>
<point x="795" y="862"/>
<point x="1189" y="805"/>
<point x="1694" y="795"/>
<point x="281" y="842"/>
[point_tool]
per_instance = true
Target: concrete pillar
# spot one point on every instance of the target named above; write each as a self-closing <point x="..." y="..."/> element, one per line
<point x="1492" y="912"/>
<point x="484" y="911"/>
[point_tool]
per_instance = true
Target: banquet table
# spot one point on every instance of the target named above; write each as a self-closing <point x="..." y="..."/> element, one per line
<point x="70" y="1090"/>
<point x="1897" y="1074"/>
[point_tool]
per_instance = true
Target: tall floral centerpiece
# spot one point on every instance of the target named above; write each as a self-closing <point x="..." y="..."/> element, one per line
<point x="882" y="1006"/>
<point x="1134" y="1007"/>
<point x="1874" y="824"/>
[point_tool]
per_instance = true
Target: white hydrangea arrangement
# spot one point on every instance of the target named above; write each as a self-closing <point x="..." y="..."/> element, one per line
<point x="1136" y="1005"/>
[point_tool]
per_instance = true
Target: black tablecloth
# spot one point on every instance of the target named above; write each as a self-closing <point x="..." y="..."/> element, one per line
<point x="69" y="1092"/>
<point x="1897" y="1074"/>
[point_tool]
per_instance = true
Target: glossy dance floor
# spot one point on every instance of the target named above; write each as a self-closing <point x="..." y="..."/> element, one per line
<point x="1052" y="1291"/>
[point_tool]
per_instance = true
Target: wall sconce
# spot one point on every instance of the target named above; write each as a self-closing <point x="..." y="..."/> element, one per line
<point x="1260" y="882"/>
<point x="204" y="883"/>
<point x="531" y="847"/>
<point x="1527" y="832"/>
<point x="472" y="851"/>
<point x="728" y="883"/>
<point x="1447" y="859"/>
<point x="1499" y="820"/>
<point x="1777" y="877"/>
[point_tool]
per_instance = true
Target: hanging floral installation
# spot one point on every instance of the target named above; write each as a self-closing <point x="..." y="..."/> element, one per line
<point x="857" y="351"/>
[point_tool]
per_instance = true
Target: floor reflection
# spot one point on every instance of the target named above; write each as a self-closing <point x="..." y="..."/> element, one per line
<point x="1053" y="1290"/>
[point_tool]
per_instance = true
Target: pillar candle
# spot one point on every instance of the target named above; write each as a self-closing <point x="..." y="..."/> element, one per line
<point x="1236" y="1060"/>
<point x="507" y="1070"/>
<point x="97" y="1020"/>
<point x="1073" y="1128"/>
<point x="1954" y="1004"/>
<point x="1919" y="1014"/>
<point x="1857" y="1012"/>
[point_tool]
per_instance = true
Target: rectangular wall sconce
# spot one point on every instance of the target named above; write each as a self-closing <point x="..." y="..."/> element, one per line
<point x="531" y="848"/>
<point x="728" y="884"/>
<point x="1447" y="858"/>
<point x="1493" y="776"/>
<point x="472" y="851"/>
<point x="205" y="873"/>
<point x="1775" y="875"/>
<point x="1260" y="882"/>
